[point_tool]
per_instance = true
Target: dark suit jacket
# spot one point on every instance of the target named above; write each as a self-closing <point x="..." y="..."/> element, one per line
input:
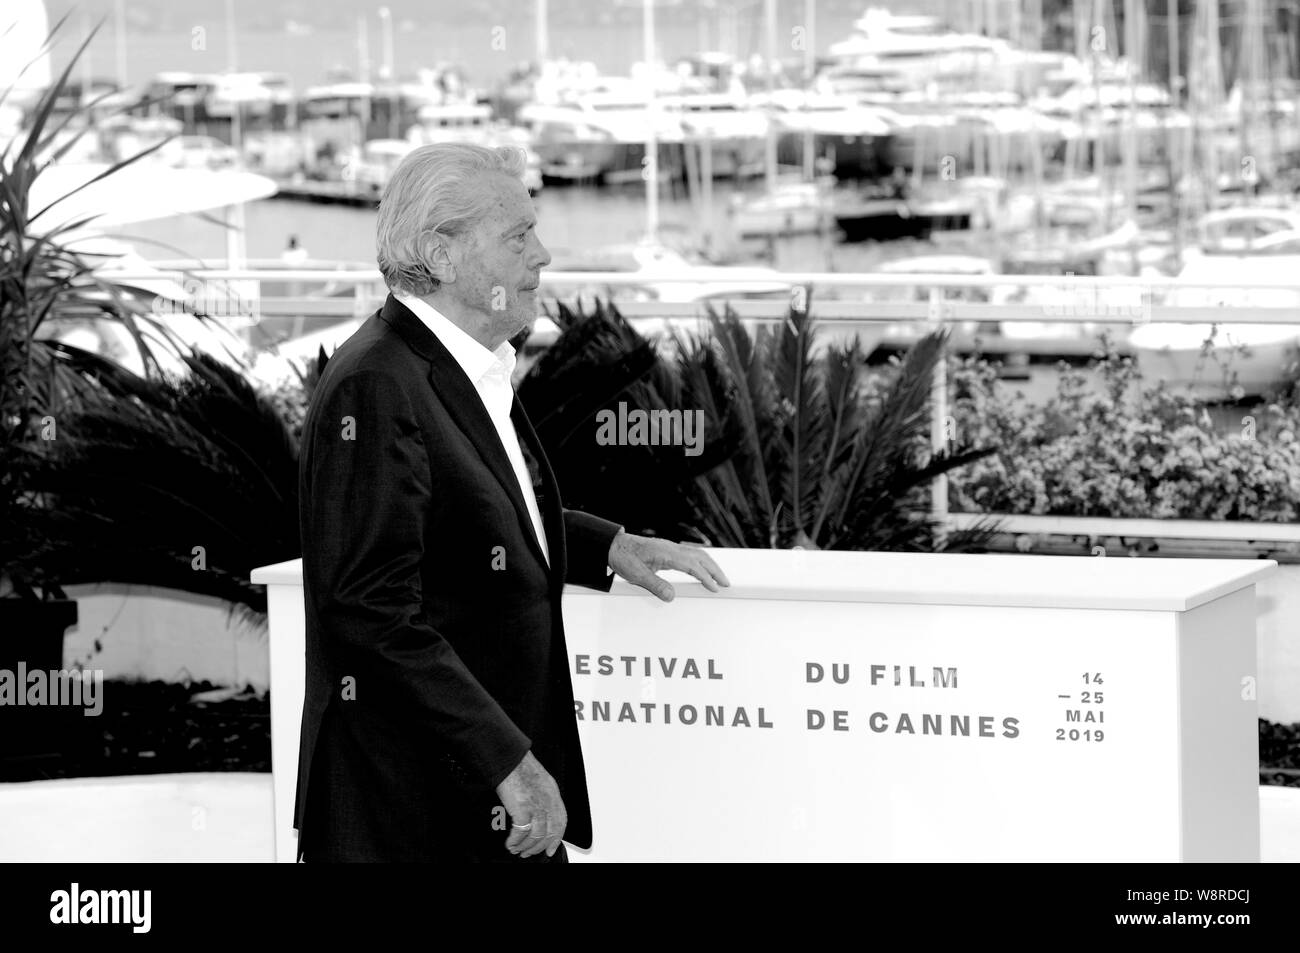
<point x="435" y="644"/>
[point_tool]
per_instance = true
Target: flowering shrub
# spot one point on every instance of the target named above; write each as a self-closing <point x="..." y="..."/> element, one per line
<point x="1129" y="450"/>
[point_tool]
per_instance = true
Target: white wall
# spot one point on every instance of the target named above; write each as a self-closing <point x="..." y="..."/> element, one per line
<point x="163" y="634"/>
<point x="151" y="633"/>
<point x="1278" y="644"/>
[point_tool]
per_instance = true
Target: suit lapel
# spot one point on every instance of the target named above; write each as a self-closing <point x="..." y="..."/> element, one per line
<point x="466" y="408"/>
<point x="545" y="487"/>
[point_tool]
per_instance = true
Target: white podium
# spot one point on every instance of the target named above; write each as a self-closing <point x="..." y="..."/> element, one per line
<point x="898" y="707"/>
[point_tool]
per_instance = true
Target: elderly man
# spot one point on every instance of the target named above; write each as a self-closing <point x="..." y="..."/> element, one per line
<point x="439" y="720"/>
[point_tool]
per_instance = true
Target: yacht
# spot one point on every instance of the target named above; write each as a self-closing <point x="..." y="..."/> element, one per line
<point x="474" y="122"/>
<point x="338" y="116"/>
<point x="888" y="51"/>
<point x="376" y="162"/>
<point x="1078" y="226"/>
<point x="206" y="152"/>
<point x="601" y="136"/>
<point x="260" y="101"/>
<point x="1243" y="230"/>
<point x="660" y="270"/>
<point x="451" y="122"/>
<point x="652" y="262"/>
<point x="735" y="132"/>
<point x="794" y="207"/>
<point x="1257" y="249"/>
<point x="850" y="141"/>
<point x="333" y="118"/>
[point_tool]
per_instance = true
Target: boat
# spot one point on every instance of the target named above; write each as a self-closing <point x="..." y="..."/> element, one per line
<point x="187" y="98"/>
<point x="892" y="210"/>
<point x="601" y="136"/>
<point x="474" y="122"/>
<point x="1074" y="227"/>
<point x="451" y="122"/>
<point x="890" y="53"/>
<point x="1230" y="361"/>
<point x="119" y="137"/>
<point x="376" y="162"/>
<point x="711" y="71"/>
<point x="936" y="265"/>
<point x="205" y="152"/>
<point x="792" y="208"/>
<point x="736" y="134"/>
<point x="250" y="101"/>
<point x="849" y="140"/>
<point x="877" y="214"/>
<point x="1243" y="229"/>
<point x="660" y="270"/>
<point x="914" y="50"/>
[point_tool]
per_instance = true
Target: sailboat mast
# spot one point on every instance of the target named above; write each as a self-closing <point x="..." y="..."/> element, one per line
<point x="1100" y="21"/>
<point x="1247" y="56"/>
<point x="1171" y="24"/>
<point x="1133" y="56"/>
<point x="809" y="67"/>
<point x="119" y="40"/>
<point x="1215" y="84"/>
<point x="87" y="73"/>
<point x="543" y="36"/>
<point x="650" y="170"/>
<point x="769" y="17"/>
<point x="1176" y="173"/>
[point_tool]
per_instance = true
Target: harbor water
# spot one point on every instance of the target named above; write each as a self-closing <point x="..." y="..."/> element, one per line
<point x="571" y="220"/>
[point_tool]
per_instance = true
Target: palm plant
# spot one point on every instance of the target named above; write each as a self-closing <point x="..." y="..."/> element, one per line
<point x="183" y="482"/>
<point x="43" y="283"/>
<point x="827" y="457"/>
<point x="598" y="361"/>
<point x="798" y="451"/>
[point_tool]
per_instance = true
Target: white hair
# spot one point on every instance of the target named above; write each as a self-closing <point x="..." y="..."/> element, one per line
<point x="433" y="191"/>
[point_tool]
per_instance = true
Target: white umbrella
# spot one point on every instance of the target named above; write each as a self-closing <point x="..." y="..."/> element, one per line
<point x="137" y="193"/>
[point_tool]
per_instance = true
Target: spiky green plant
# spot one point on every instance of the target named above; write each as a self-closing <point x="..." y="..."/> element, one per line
<point x="187" y="482"/>
<point x="44" y="283"/>
<point x="828" y="456"/>
<point x="598" y="361"/>
<point x="799" y="450"/>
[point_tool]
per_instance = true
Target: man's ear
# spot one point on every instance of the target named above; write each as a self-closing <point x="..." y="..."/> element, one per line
<point x="441" y="261"/>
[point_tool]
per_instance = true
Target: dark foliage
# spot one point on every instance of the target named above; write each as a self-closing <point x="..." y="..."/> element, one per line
<point x="187" y="483"/>
<point x="798" y="450"/>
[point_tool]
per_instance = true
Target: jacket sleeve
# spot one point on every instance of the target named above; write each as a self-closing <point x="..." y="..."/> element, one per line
<point x="586" y="541"/>
<point x="367" y="493"/>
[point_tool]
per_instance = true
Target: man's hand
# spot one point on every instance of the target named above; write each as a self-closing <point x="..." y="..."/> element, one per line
<point x="537" y="815"/>
<point x="636" y="558"/>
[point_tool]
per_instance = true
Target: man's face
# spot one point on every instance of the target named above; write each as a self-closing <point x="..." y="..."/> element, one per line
<point x="501" y="258"/>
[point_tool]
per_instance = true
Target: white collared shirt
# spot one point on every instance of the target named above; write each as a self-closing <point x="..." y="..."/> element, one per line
<point x="489" y="372"/>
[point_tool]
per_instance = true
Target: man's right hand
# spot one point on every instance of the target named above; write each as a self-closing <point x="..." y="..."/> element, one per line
<point x="537" y="815"/>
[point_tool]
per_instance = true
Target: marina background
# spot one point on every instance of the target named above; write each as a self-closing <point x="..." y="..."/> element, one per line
<point x="1106" y="468"/>
<point x="305" y="40"/>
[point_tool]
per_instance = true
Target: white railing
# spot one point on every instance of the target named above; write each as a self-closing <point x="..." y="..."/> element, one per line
<point x="1144" y="305"/>
<point x="1141" y="306"/>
